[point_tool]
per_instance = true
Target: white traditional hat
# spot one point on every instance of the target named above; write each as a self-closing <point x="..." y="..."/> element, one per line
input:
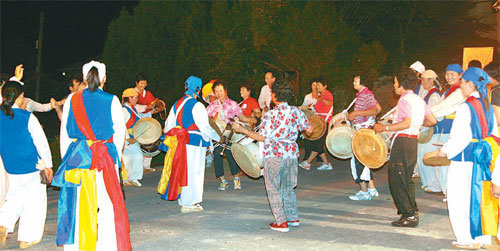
<point x="418" y="66"/>
<point x="101" y="68"/>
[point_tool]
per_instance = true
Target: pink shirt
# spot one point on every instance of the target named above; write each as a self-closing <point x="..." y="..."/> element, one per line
<point x="365" y="100"/>
<point x="321" y="108"/>
<point x="411" y="106"/>
<point x="230" y="109"/>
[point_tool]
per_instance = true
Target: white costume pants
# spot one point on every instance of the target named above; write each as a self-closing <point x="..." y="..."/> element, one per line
<point x="106" y="235"/>
<point x="26" y="201"/>
<point x="459" y="185"/>
<point x="193" y="192"/>
<point x="146" y="162"/>
<point x="4" y="183"/>
<point x="132" y="160"/>
<point x="434" y="178"/>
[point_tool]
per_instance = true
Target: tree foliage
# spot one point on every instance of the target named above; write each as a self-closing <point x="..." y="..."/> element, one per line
<point x="237" y="41"/>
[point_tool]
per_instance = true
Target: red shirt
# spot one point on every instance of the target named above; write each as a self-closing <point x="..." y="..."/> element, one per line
<point x="248" y="105"/>
<point x="145" y="98"/>
<point x="321" y="108"/>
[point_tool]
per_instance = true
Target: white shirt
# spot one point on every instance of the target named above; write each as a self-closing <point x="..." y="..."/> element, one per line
<point x="39" y="139"/>
<point x="448" y="105"/>
<point x="309" y="100"/>
<point x="417" y="113"/>
<point x="119" y="127"/>
<point x="200" y="117"/>
<point x="265" y="97"/>
<point x="33" y="106"/>
<point x="461" y="133"/>
<point x="434" y="99"/>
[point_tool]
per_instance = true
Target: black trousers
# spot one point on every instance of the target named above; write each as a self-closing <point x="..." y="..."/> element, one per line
<point x="218" y="164"/>
<point x="319" y="144"/>
<point x="401" y="165"/>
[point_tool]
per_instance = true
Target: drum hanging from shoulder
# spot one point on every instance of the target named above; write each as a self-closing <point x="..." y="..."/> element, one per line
<point x="248" y="158"/>
<point x="338" y="142"/>
<point x="370" y="148"/>
<point x="425" y="135"/>
<point x="147" y="131"/>
<point x="318" y="123"/>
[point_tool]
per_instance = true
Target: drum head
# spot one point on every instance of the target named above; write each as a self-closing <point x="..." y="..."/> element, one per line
<point x="147" y="131"/>
<point x="430" y="159"/>
<point x="246" y="160"/>
<point x="370" y="148"/>
<point x="425" y="135"/>
<point x="338" y="142"/>
<point x="318" y="125"/>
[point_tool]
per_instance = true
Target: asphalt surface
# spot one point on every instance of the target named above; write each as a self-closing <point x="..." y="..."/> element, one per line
<point x="239" y="219"/>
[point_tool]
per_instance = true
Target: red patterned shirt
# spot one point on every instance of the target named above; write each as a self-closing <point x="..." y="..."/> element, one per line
<point x="280" y="140"/>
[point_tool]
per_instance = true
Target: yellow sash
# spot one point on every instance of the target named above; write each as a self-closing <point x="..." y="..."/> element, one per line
<point x="489" y="204"/>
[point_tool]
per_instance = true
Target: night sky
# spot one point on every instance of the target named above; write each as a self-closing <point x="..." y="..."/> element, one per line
<point x="74" y="31"/>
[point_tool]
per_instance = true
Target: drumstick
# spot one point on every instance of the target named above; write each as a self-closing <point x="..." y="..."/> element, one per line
<point x="349" y="107"/>
<point x="388" y="113"/>
<point x="226" y="143"/>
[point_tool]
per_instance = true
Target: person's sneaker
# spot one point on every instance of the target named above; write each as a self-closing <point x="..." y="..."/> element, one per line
<point x="223" y="185"/>
<point x="191" y="209"/>
<point x="237" y="183"/>
<point x="468" y="246"/>
<point x="305" y="165"/>
<point x="361" y="196"/>
<point x="294" y="223"/>
<point x="25" y="245"/>
<point x="149" y="170"/>
<point x="411" y="221"/>
<point x="136" y="183"/>
<point x="127" y="183"/>
<point x="373" y="192"/>
<point x="325" y="167"/>
<point x="283" y="227"/>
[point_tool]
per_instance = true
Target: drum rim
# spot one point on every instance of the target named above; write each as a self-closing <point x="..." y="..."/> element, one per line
<point x="239" y="148"/>
<point x="377" y="136"/>
<point x="323" y="130"/>
<point x="424" y="140"/>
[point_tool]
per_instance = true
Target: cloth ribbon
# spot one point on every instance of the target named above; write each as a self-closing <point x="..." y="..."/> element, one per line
<point x="101" y="161"/>
<point x="174" y="174"/>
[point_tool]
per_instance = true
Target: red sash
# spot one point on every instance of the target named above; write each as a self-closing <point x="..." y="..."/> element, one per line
<point x="103" y="162"/>
<point x="480" y="114"/>
<point x="433" y="90"/>
<point x="452" y="89"/>
<point x="132" y="118"/>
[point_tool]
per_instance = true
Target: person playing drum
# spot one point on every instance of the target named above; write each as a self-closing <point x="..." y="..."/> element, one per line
<point x="411" y="114"/>
<point x="324" y="108"/>
<point x="132" y="154"/>
<point x="444" y="111"/>
<point x="430" y="93"/>
<point x="279" y="130"/>
<point x="145" y="103"/>
<point x="187" y="122"/>
<point x="474" y="121"/>
<point x="225" y="109"/>
<point x="363" y="116"/>
<point x="249" y="106"/>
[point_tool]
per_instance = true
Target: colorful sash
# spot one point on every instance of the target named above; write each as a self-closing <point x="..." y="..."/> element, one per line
<point x="428" y="96"/>
<point x="78" y="168"/>
<point x="174" y="174"/>
<point x="482" y="156"/>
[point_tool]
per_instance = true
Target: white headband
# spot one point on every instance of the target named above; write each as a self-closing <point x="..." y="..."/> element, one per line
<point x="417" y="66"/>
<point x="101" y="69"/>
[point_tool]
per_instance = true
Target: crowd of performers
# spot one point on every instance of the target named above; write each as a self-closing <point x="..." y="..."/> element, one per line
<point x="97" y="141"/>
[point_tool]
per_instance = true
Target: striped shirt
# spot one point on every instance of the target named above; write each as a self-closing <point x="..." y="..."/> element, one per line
<point x="365" y="100"/>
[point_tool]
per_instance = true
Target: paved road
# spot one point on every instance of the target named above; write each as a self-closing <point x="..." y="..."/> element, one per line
<point x="239" y="219"/>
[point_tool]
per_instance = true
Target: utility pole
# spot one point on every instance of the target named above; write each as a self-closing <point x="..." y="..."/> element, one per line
<point x="39" y="58"/>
